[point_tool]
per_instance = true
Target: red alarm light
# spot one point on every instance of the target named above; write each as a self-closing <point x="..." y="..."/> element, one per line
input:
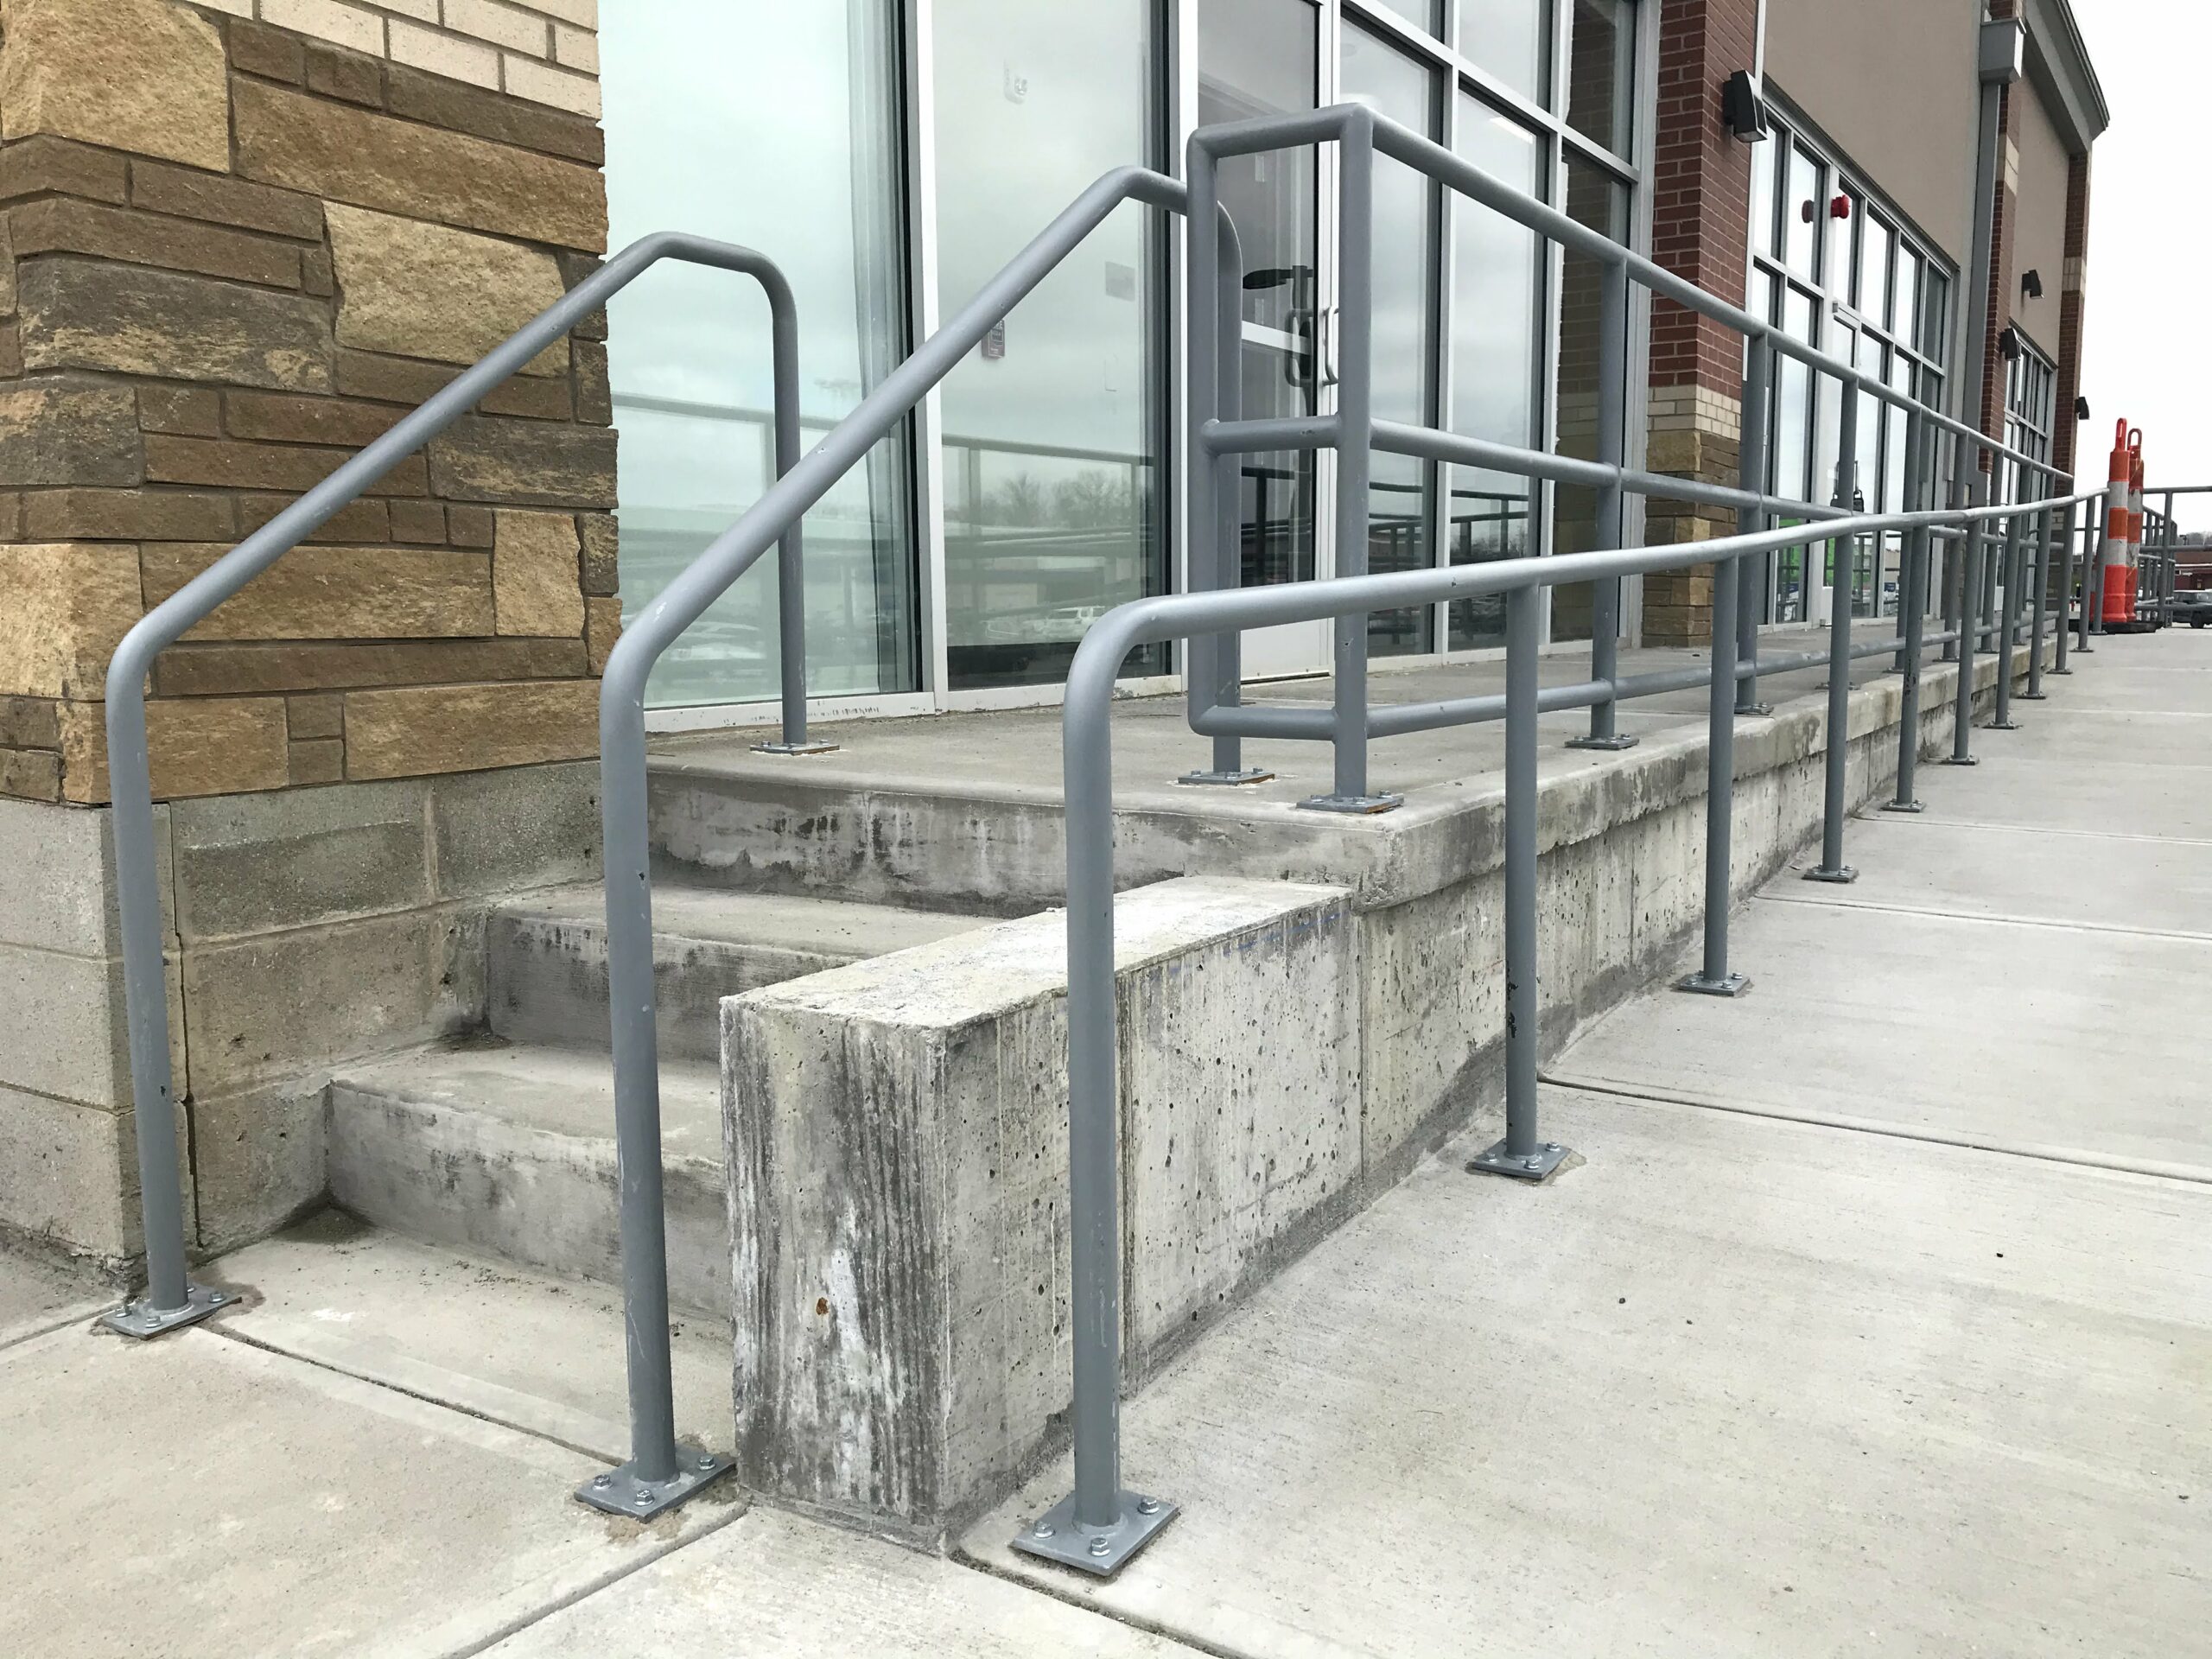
<point x="1839" y="208"/>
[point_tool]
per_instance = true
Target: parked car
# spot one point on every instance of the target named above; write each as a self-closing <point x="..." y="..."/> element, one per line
<point x="2194" y="607"/>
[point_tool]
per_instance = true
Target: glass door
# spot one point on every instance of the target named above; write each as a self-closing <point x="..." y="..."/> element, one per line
<point x="1264" y="57"/>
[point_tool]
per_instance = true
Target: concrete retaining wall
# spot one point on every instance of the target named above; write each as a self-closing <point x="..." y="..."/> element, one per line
<point x="897" y="1155"/>
<point x="898" y="1129"/>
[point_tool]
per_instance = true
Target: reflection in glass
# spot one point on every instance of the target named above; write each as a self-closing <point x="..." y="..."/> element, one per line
<point x="1400" y="488"/>
<point x="1595" y="199"/>
<point x="1906" y="309"/>
<point x="1601" y="73"/>
<point x="1498" y="327"/>
<point x="1259" y="57"/>
<point x="1051" y="497"/>
<point x="697" y="91"/>
<point x="1422" y="14"/>
<point x="1802" y="212"/>
<point x="1511" y="40"/>
<point x="1792" y="443"/>
<point x="1762" y="202"/>
<point x="1874" y="241"/>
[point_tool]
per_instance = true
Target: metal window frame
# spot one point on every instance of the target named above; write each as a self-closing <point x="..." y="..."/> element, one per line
<point x="1835" y="305"/>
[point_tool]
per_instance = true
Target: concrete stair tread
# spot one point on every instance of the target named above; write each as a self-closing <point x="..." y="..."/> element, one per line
<point x="829" y="927"/>
<point x="555" y="1092"/>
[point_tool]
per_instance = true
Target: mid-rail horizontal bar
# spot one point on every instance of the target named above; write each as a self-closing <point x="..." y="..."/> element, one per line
<point x="1316" y="725"/>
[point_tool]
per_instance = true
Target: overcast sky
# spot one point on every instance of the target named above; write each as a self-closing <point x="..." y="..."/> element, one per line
<point x="2144" y="343"/>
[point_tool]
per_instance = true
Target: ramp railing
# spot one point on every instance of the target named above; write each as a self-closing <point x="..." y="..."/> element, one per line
<point x="660" y="1471"/>
<point x="1101" y="1525"/>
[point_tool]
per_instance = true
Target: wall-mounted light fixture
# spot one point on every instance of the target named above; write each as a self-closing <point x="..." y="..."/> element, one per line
<point x="2031" y="284"/>
<point x="1742" y="111"/>
<point x="2081" y="409"/>
<point x="2008" y="344"/>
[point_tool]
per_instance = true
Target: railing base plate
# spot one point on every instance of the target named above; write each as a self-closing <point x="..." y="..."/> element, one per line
<point x="1228" y="779"/>
<point x="2058" y="670"/>
<point x="1057" y="1537"/>
<point x="1532" y="1166"/>
<point x="794" y="748"/>
<point x="1698" y="985"/>
<point x="1618" y="741"/>
<point x="619" y="1491"/>
<point x="1961" y="760"/>
<point x="1754" y="710"/>
<point x="1842" y="876"/>
<point x="2031" y="697"/>
<point x="143" y="1319"/>
<point x="1354" y="805"/>
<point x="1904" y="806"/>
<point x="2002" y="726"/>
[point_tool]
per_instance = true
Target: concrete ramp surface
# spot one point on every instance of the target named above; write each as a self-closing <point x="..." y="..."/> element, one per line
<point x="1908" y="1350"/>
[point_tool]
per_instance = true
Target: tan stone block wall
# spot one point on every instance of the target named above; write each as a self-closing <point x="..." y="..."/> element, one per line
<point x="1698" y="433"/>
<point x="239" y="239"/>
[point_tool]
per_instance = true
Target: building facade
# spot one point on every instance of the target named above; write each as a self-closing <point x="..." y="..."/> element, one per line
<point x="238" y="238"/>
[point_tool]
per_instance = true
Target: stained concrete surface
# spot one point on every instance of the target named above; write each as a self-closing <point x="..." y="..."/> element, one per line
<point x="39" y="1291"/>
<point x="197" y="1497"/>
<point x="773" y="1588"/>
<point x="537" y="1353"/>
<point x="1737" y="1384"/>
<point x="1732" y="1387"/>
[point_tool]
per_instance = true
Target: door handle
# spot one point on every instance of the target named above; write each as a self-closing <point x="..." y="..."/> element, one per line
<point x="1326" y="321"/>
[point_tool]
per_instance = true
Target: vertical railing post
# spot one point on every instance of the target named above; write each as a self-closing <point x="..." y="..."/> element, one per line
<point x="1842" y="559"/>
<point x="1099" y="1526"/>
<point x="790" y="560"/>
<point x="2169" y="568"/>
<point x="2064" y="626"/>
<point x="1969" y="613"/>
<point x="1712" y="977"/>
<point x="1759" y="399"/>
<point x="1912" y="606"/>
<point x="1355" y="439"/>
<point x="1520" y="1154"/>
<point x="1954" y="549"/>
<point x="2094" y="531"/>
<point x="171" y="1299"/>
<point x="2039" y="590"/>
<point x="2007" y="607"/>
<point x="1214" y="298"/>
<point x="1612" y="452"/>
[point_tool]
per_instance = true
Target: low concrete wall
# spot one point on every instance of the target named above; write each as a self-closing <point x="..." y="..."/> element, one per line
<point x="897" y="1128"/>
<point x="898" y="1152"/>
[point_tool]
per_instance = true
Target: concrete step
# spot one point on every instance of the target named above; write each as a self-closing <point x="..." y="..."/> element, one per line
<point x="509" y="1150"/>
<point x="548" y="957"/>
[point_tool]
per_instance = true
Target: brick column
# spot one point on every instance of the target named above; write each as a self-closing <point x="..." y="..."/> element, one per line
<point x="238" y="241"/>
<point x="1700" y="227"/>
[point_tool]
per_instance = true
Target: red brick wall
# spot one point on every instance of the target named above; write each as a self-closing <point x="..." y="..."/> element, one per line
<point x="1701" y="185"/>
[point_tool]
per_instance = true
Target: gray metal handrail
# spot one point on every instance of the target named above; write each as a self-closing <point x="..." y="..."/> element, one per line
<point x="1100" y="1526"/>
<point x="171" y="1299"/>
<point x="1219" y="439"/>
<point x="660" y="1473"/>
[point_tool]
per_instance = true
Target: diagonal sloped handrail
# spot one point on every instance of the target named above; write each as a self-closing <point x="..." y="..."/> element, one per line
<point x="171" y="1300"/>
<point x="660" y="1473"/>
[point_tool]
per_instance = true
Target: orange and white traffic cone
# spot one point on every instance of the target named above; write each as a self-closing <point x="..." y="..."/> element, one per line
<point x="2116" y="605"/>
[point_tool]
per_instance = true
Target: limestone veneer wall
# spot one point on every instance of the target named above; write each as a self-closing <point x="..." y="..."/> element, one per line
<point x="239" y="239"/>
<point x="233" y="249"/>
